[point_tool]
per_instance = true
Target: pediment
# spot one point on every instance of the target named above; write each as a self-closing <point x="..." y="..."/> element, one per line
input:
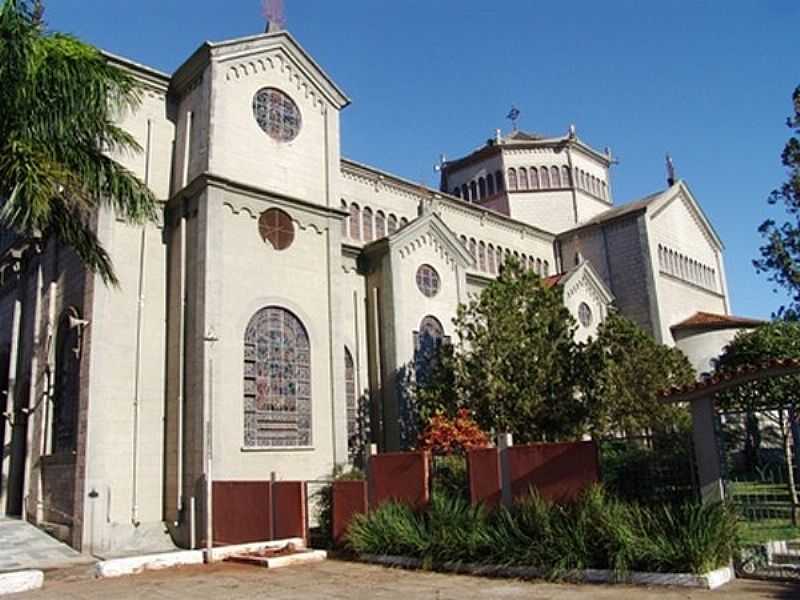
<point x="584" y="279"/>
<point x="680" y="193"/>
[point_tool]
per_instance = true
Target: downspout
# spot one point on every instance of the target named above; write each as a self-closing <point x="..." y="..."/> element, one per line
<point x="572" y="186"/>
<point x="137" y="384"/>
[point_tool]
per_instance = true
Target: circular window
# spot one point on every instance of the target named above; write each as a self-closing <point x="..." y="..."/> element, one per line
<point x="428" y="281"/>
<point x="585" y="314"/>
<point x="277" y="114"/>
<point x="276" y="227"/>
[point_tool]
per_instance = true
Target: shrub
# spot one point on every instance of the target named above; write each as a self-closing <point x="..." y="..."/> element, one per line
<point x="449" y="476"/>
<point x="444" y="436"/>
<point x="597" y="531"/>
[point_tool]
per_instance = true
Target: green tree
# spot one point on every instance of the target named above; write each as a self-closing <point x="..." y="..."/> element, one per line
<point x="768" y="406"/>
<point x="624" y="369"/>
<point x="514" y="364"/>
<point x="60" y="100"/>
<point x="780" y="255"/>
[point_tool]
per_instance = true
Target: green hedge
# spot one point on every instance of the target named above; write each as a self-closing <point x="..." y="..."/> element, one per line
<point x="595" y="532"/>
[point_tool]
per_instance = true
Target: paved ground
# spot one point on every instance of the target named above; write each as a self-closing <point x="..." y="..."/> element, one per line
<point x="23" y="546"/>
<point x="350" y="581"/>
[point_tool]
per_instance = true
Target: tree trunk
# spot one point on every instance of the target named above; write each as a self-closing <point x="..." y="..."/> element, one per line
<point x="786" y="425"/>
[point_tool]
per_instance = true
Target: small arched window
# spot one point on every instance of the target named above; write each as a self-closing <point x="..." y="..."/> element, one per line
<point x="473" y="248"/>
<point x="512" y="180"/>
<point x="465" y="192"/>
<point x="367" y="217"/>
<point x="545" y="178"/>
<point x="355" y="222"/>
<point x="534" y="178"/>
<point x="345" y="220"/>
<point x="482" y="188"/>
<point x="498" y="181"/>
<point x="427" y="344"/>
<point x="523" y="178"/>
<point x="352" y="405"/>
<point x="583" y="180"/>
<point x="491" y="260"/>
<point x="539" y="266"/>
<point x="392" y="223"/>
<point x="499" y="258"/>
<point x="464" y="242"/>
<point x="380" y="224"/>
<point x="277" y="381"/>
<point x="490" y="185"/>
<point x="482" y="256"/>
<point x="565" y="178"/>
<point x="457" y="192"/>
<point x="604" y="191"/>
<point x="403" y="221"/>
<point x="473" y="191"/>
<point x="546" y="268"/>
<point x="555" y="177"/>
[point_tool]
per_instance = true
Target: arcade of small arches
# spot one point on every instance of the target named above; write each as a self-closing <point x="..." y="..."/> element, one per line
<point x="522" y="179"/>
<point x="685" y="268"/>
<point x="367" y="225"/>
<point x="490" y="258"/>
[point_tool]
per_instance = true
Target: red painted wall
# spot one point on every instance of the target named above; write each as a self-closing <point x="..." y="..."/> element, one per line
<point x="560" y="472"/>
<point x="242" y="512"/>
<point x="401" y="476"/>
<point x="349" y="499"/>
<point x="485" y="483"/>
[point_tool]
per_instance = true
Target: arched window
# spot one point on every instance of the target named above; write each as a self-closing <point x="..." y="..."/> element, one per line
<point x="539" y="266"/>
<point x="457" y="192"/>
<point x="605" y="190"/>
<point x="464" y="242"/>
<point x="367" y="218"/>
<point x="277" y="381"/>
<point x="380" y="224"/>
<point x="583" y="180"/>
<point x="352" y="405"/>
<point x="565" y="179"/>
<point x="473" y="248"/>
<point x="512" y="180"/>
<point x="473" y="191"/>
<point x="465" y="192"/>
<point x="64" y="429"/>
<point x="534" y="178"/>
<point x="403" y="221"/>
<point x="499" y="258"/>
<point x="523" y="261"/>
<point x="490" y="185"/>
<point x="523" y="178"/>
<point x="545" y="178"/>
<point x="355" y="222"/>
<point x="392" y="223"/>
<point x="498" y="181"/>
<point x="482" y="188"/>
<point x="482" y="256"/>
<point x="491" y="260"/>
<point x="427" y="343"/>
<point x="546" y="268"/>
<point x="555" y="177"/>
<point x="345" y="220"/>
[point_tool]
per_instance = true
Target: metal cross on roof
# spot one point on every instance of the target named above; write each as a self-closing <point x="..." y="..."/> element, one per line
<point x="273" y="11"/>
<point x="514" y="115"/>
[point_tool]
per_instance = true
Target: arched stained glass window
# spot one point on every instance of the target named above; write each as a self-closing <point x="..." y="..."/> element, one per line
<point x="367" y="217"/>
<point x="512" y="180"/>
<point x="352" y="405"/>
<point x="555" y="177"/>
<point x="523" y="178"/>
<point x="534" y="178"/>
<point x="427" y="343"/>
<point x="355" y="222"/>
<point x="277" y="381"/>
<point x="380" y="224"/>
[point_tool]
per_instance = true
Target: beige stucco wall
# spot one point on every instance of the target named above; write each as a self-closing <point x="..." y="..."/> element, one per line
<point x="701" y="347"/>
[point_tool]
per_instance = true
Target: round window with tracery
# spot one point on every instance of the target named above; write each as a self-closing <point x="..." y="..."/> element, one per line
<point x="277" y="114"/>
<point x="276" y="227"/>
<point x="428" y="281"/>
<point x="585" y="314"/>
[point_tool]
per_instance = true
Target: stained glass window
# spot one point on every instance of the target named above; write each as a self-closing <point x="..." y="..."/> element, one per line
<point x="276" y="227"/>
<point x="428" y="281"/>
<point x="277" y="114"/>
<point x="427" y="343"/>
<point x="585" y="314"/>
<point x="352" y="406"/>
<point x="277" y="381"/>
<point x="64" y="430"/>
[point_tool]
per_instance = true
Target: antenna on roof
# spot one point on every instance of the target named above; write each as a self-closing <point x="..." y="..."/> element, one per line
<point x="275" y="15"/>
<point x="671" y="178"/>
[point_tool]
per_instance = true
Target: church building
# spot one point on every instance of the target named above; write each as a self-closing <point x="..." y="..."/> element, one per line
<point x="284" y="283"/>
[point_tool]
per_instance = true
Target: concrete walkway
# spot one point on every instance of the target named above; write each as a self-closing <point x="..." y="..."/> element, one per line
<point x="350" y="581"/>
<point x="24" y="546"/>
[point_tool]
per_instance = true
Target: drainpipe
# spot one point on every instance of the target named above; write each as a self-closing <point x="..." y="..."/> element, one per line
<point x="137" y="384"/>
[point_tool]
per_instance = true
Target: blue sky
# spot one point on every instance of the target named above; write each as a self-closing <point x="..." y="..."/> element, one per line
<point x="708" y="81"/>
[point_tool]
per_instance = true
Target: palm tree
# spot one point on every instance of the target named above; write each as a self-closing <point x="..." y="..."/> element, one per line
<point x="60" y="100"/>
